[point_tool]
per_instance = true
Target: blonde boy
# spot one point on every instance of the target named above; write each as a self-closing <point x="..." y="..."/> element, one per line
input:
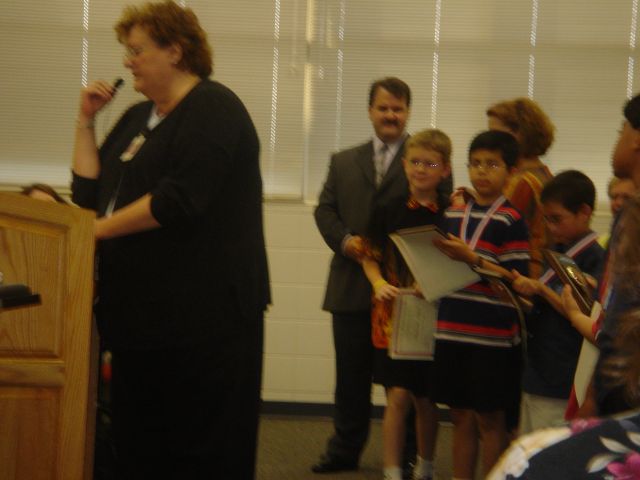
<point x="426" y="163"/>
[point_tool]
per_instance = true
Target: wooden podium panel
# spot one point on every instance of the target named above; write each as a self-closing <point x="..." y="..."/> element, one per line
<point x="47" y="352"/>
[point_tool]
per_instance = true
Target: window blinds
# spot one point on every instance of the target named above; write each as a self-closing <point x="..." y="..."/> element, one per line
<point x="303" y="68"/>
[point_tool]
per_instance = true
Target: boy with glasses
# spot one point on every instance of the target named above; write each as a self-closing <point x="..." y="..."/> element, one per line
<point x="477" y="333"/>
<point x="554" y="343"/>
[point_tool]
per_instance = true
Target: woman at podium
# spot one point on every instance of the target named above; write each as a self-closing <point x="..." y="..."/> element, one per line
<point x="182" y="275"/>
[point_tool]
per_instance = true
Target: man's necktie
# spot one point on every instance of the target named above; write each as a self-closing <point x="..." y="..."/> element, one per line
<point x="380" y="163"/>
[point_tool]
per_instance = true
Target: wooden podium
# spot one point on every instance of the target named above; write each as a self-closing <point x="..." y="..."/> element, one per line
<point x="48" y="354"/>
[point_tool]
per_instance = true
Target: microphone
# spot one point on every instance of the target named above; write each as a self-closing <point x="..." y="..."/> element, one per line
<point x="117" y="84"/>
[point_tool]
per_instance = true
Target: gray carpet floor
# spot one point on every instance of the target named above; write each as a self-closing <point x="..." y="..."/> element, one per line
<point x="289" y="445"/>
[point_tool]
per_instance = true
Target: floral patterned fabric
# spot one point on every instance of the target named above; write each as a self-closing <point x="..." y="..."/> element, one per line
<point x="585" y="449"/>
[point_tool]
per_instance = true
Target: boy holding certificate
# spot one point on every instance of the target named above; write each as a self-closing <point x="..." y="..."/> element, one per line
<point x="426" y="163"/>
<point x="477" y="360"/>
<point x="554" y="344"/>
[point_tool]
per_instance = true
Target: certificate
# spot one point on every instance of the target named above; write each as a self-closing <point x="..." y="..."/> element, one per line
<point x="436" y="274"/>
<point x="587" y="360"/>
<point x="412" y="328"/>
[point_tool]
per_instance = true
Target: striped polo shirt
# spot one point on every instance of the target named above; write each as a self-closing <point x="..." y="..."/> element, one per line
<point x="476" y="314"/>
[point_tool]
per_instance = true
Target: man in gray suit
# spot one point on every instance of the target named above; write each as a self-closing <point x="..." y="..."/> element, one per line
<point x="358" y="177"/>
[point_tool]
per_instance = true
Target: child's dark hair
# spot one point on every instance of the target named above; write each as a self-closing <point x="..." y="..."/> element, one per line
<point x="571" y="189"/>
<point x="626" y="261"/>
<point x="622" y="369"/>
<point x="498" y="141"/>
<point x="632" y="111"/>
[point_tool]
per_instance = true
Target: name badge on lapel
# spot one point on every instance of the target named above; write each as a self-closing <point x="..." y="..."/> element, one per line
<point x="133" y="147"/>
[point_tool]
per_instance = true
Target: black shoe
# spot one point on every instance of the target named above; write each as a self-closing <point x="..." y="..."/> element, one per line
<point x="328" y="464"/>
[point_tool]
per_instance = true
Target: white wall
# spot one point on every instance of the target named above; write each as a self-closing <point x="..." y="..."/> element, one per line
<point x="299" y="358"/>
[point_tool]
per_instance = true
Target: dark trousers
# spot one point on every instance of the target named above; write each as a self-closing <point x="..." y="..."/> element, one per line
<point x="189" y="413"/>
<point x="354" y="364"/>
